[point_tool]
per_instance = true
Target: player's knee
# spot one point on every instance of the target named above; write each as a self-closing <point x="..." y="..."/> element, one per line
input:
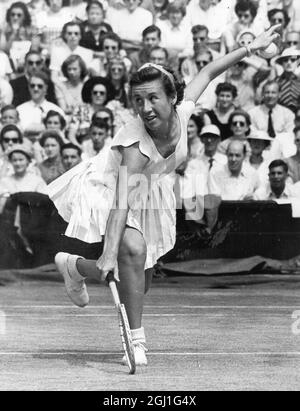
<point x="132" y="249"/>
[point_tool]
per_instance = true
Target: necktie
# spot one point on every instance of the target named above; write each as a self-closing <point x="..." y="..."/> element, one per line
<point x="271" y="130"/>
<point x="211" y="161"/>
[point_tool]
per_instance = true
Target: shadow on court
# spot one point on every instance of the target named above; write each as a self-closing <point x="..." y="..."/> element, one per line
<point x="204" y="333"/>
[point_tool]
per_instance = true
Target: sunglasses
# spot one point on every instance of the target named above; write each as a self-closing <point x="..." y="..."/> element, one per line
<point x="292" y="59"/>
<point x="16" y="14"/>
<point x="292" y="43"/>
<point x="39" y="86"/>
<point x="279" y="21"/>
<point x="101" y="93"/>
<point x="238" y="123"/>
<point x="8" y="140"/>
<point x="34" y="63"/>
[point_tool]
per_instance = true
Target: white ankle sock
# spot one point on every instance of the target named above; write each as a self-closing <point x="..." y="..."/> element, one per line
<point x="138" y="335"/>
<point x="72" y="260"/>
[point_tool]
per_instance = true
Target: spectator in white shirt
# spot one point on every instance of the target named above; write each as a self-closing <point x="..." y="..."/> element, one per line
<point x="175" y="31"/>
<point x="234" y="181"/>
<point x="277" y="188"/>
<point x="33" y="112"/>
<point x="71" y="35"/>
<point x="129" y="23"/>
<point x="275" y="119"/>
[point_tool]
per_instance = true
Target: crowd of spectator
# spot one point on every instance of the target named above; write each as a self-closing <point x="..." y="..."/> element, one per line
<point x="64" y="72"/>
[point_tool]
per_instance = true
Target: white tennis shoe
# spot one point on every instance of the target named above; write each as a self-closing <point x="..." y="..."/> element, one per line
<point x="74" y="282"/>
<point x="139" y="354"/>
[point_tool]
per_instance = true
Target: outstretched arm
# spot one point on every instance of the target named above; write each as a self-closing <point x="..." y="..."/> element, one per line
<point x="196" y="87"/>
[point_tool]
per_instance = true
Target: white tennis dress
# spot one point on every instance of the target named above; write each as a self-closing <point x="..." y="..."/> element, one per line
<point x="85" y="194"/>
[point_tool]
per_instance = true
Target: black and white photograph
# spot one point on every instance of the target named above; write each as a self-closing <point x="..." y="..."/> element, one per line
<point x="149" y="198"/>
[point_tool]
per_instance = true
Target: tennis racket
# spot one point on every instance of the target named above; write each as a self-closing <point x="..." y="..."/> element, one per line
<point x="123" y="324"/>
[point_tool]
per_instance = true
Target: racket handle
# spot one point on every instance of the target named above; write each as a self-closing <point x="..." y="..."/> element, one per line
<point x="113" y="287"/>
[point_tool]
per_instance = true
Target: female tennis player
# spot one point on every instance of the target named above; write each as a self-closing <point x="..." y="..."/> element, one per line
<point x="127" y="196"/>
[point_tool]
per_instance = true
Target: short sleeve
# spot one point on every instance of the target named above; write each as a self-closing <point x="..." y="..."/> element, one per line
<point x="132" y="133"/>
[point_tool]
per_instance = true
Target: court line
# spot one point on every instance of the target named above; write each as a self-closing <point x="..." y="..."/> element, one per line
<point x="151" y="306"/>
<point x="178" y="354"/>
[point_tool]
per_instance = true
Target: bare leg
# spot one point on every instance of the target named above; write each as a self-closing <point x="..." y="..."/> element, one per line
<point x="132" y="285"/>
<point x="132" y="257"/>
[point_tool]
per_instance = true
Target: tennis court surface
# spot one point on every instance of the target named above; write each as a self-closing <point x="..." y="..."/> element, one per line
<point x="204" y="333"/>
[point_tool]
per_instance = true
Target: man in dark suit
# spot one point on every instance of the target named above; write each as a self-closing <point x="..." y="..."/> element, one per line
<point x="33" y="64"/>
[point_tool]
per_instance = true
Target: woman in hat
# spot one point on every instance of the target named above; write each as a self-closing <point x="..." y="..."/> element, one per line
<point x="259" y="142"/>
<point x="52" y="167"/>
<point x="10" y="135"/>
<point x="22" y="179"/>
<point x="134" y="204"/>
<point x="289" y="83"/>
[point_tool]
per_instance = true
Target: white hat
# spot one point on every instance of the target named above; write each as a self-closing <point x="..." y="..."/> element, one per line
<point x="260" y="135"/>
<point x="210" y="129"/>
<point x="289" y="52"/>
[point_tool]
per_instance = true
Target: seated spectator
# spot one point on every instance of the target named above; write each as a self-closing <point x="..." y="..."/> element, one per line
<point x="118" y="78"/>
<point x="207" y="100"/>
<point x="111" y="47"/>
<point x="70" y="155"/>
<point x="280" y="16"/>
<point x="277" y="188"/>
<point x="259" y="141"/>
<point x="97" y="138"/>
<point x="106" y="115"/>
<point x="209" y="159"/>
<point x="51" y="21"/>
<point x="288" y="82"/>
<point x="68" y="92"/>
<point x="60" y="51"/>
<point x="22" y="179"/>
<point x="246" y="12"/>
<point x="294" y="161"/>
<point x="214" y="15"/>
<point x="34" y="111"/>
<point x="9" y="115"/>
<point x="55" y="121"/>
<point x="151" y="38"/>
<point x="234" y="181"/>
<point x="33" y="64"/>
<point x="226" y="94"/>
<point x="200" y="41"/>
<point x="95" y="27"/>
<point x="175" y="31"/>
<point x="159" y="55"/>
<point x="275" y="119"/>
<point x="195" y="146"/>
<point x="18" y="35"/>
<point x="292" y="39"/>
<point x="52" y="167"/>
<point x="129" y="22"/>
<point x="10" y="135"/>
<point x="159" y="9"/>
<point x="240" y="127"/>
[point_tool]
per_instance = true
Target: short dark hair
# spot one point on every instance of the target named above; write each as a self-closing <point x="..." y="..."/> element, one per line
<point x="151" y="29"/>
<point x="92" y="3"/>
<point x="71" y="146"/>
<point x="176" y="6"/>
<point x="270" y="83"/>
<point x="227" y="87"/>
<point x="245" y="5"/>
<point x="8" y="107"/>
<point x="243" y="113"/>
<point x="53" y="113"/>
<point x="148" y="74"/>
<point x="99" y="123"/>
<point x="32" y="53"/>
<point x="111" y="36"/>
<point x="279" y="163"/>
<point x="199" y="27"/>
<point x="42" y="76"/>
<point x="70" y="24"/>
<point x="72" y="59"/>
